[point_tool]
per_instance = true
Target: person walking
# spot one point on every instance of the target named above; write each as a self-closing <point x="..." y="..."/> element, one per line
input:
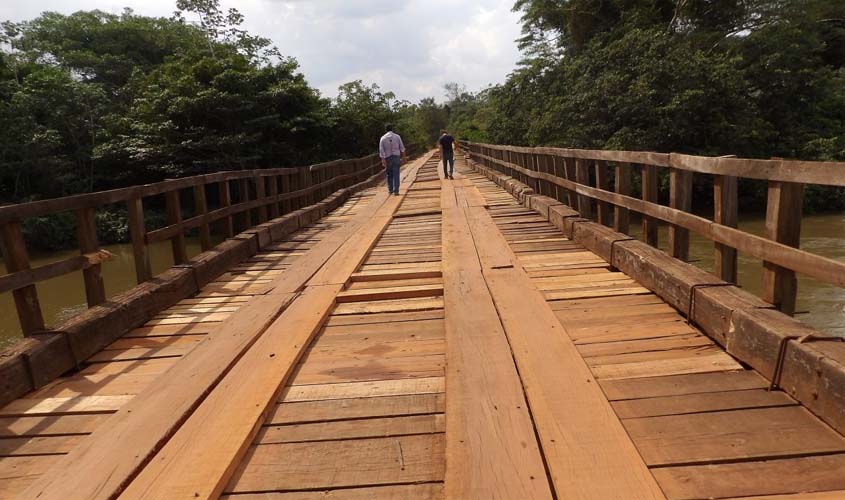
<point x="447" y="153"/>
<point x="392" y="153"/>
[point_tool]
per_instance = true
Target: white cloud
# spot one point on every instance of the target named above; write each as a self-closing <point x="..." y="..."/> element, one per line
<point x="409" y="47"/>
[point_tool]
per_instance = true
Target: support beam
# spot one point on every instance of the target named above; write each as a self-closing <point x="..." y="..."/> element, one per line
<point x="783" y="224"/>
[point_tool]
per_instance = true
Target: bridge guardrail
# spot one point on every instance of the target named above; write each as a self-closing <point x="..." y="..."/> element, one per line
<point x="565" y="175"/>
<point x="262" y="194"/>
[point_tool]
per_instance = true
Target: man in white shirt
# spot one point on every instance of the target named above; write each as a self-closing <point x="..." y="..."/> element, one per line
<point x="392" y="153"/>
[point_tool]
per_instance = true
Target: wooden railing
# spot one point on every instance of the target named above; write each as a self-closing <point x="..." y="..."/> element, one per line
<point x="581" y="179"/>
<point x="261" y="194"/>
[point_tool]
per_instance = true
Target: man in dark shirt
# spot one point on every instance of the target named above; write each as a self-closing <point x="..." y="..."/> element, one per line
<point x="447" y="152"/>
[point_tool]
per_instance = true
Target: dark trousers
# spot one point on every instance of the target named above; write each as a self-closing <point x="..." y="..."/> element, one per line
<point x="448" y="159"/>
<point x="392" y="172"/>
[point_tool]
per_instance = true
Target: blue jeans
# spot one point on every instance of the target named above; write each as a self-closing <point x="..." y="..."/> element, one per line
<point x="392" y="172"/>
<point x="451" y="159"/>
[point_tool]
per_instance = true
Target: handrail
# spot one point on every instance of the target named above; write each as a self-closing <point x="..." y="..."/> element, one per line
<point x="565" y="174"/>
<point x="262" y="194"/>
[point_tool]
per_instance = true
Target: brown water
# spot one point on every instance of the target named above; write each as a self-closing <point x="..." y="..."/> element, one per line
<point x="63" y="297"/>
<point x="819" y="304"/>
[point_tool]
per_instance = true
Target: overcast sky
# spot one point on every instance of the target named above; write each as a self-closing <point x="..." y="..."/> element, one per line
<point x="409" y="47"/>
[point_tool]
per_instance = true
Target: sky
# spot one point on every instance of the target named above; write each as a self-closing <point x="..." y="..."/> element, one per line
<point x="409" y="47"/>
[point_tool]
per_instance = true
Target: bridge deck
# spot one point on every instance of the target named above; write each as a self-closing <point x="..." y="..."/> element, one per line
<point x="447" y="342"/>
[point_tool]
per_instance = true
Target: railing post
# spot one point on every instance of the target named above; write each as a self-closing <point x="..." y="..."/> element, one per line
<point x="86" y="233"/>
<point x="725" y="205"/>
<point x="783" y="224"/>
<point x="226" y="201"/>
<point x="622" y="185"/>
<point x="260" y="195"/>
<point x="680" y="198"/>
<point x="201" y="208"/>
<point x="569" y="174"/>
<point x="649" y="180"/>
<point x="138" y="234"/>
<point x="602" y="183"/>
<point x="174" y="216"/>
<point x="17" y="259"/>
<point x="559" y="171"/>
<point x="243" y="194"/>
<point x="582" y="176"/>
<point x="286" y="189"/>
<point x="304" y="177"/>
<point x="273" y="191"/>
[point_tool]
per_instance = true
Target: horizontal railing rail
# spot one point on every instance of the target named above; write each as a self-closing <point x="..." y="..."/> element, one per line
<point x="581" y="179"/>
<point x="261" y="195"/>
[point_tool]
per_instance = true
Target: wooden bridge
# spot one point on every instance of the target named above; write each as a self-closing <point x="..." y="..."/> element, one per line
<point x="475" y="338"/>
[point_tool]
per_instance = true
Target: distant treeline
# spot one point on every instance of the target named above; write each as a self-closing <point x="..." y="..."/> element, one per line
<point x="755" y="78"/>
<point x="93" y="101"/>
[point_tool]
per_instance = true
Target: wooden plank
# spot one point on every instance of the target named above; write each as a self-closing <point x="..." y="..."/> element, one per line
<point x="114" y="453"/>
<point x="575" y="423"/>
<point x="744" y="479"/>
<point x="717" y="361"/>
<point x="698" y="403"/>
<point x="367" y="462"/>
<point x="181" y="469"/>
<point x="357" y="408"/>
<point x="254" y="383"/>
<point x="351" y="429"/>
<point x="16" y="259"/>
<point x="732" y="435"/>
<point x="396" y="292"/>
<point x="433" y="491"/>
<point x="174" y="218"/>
<point x="682" y="384"/>
<point x="783" y="224"/>
<point x="50" y="425"/>
<point x="491" y="446"/>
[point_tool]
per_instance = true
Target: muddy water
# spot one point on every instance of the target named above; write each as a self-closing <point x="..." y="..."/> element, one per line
<point x="819" y="304"/>
<point x="64" y="296"/>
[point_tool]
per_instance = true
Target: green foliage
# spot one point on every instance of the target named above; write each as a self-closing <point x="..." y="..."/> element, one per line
<point x="756" y="78"/>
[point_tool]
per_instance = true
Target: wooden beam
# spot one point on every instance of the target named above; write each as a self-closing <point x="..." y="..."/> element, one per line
<point x="138" y="234"/>
<point x="622" y="185"/>
<point x="16" y="259"/>
<point x="273" y="191"/>
<point x="726" y="213"/>
<point x="116" y="452"/>
<point x="575" y="422"/>
<point x="226" y="201"/>
<point x="680" y="198"/>
<point x="783" y="224"/>
<point x="174" y="217"/>
<point x="201" y="208"/>
<point x="86" y="234"/>
<point x="491" y="448"/>
<point x="602" y="183"/>
<point x="649" y="185"/>
<point x="243" y="195"/>
<point x="582" y="175"/>
<point x="182" y="469"/>
<point x="260" y="194"/>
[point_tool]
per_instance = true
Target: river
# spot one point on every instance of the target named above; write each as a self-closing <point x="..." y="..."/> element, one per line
<point x="819" y="304"/>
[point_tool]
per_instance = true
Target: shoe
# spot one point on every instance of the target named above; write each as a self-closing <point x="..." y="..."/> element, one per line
<point x="451" y="177"/>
